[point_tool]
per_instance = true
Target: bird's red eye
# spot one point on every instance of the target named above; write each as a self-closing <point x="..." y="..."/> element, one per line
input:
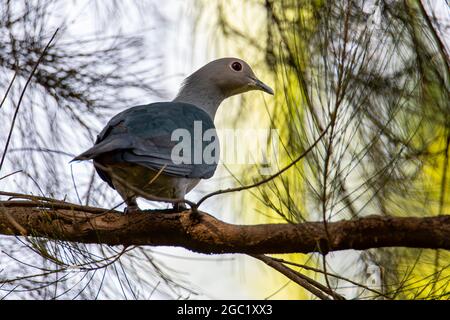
<point x="236" y="66"/>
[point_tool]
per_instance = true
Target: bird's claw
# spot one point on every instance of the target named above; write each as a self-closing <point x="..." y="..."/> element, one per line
<point x="180" y="206"/>
<point x="131" y="209"/>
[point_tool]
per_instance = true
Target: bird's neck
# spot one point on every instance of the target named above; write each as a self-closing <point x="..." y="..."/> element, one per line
<point x="205" y="97"/>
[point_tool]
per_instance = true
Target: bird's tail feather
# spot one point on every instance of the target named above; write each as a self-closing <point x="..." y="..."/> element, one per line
<point x="87" y="155"/>
<point x="118" y="143"/>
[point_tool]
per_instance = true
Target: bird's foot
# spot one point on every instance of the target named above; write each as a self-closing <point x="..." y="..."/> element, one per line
<point x="179" y="206"/>
<point x="131" y="209"/>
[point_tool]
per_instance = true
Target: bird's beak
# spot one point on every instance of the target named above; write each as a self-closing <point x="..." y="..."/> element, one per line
<point x="259" y="85"/>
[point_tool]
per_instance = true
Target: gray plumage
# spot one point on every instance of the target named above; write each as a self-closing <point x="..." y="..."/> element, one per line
<point x="142" y="135"/>
<point x="135" y="148"/>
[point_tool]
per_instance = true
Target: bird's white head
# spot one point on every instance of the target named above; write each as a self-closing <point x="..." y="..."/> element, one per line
<point x="218" y="80"/>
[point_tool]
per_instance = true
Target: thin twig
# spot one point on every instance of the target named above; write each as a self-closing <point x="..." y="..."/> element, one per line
<point x="7" y="90"/>
<point x="10" y="174"/>
<point x="263" y="181"/>
<point x="291" y="274"/>
<point x="331" y="275"/>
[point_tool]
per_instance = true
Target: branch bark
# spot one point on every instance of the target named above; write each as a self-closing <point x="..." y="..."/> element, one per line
<point x="203" y="233"/>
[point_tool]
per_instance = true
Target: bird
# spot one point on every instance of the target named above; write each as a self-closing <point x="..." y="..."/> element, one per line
<point x="134" y="154"/>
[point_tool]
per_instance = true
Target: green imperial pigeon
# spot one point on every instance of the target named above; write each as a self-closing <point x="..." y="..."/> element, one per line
<point x="139" y="149"/>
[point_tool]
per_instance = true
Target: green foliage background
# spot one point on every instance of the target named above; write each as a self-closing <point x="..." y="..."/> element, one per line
<point x="377" y="72"/>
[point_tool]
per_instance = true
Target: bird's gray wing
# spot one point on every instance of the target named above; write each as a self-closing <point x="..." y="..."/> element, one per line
<point x="143" y="135"/>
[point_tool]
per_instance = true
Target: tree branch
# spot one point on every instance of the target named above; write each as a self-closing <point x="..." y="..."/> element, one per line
<point x="203" y="233"/>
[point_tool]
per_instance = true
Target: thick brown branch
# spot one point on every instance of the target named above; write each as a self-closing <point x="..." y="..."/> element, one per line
<point x="203" y="233"/>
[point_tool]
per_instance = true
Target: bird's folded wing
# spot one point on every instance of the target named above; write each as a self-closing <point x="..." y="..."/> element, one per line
<point x="143" y="135"/>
